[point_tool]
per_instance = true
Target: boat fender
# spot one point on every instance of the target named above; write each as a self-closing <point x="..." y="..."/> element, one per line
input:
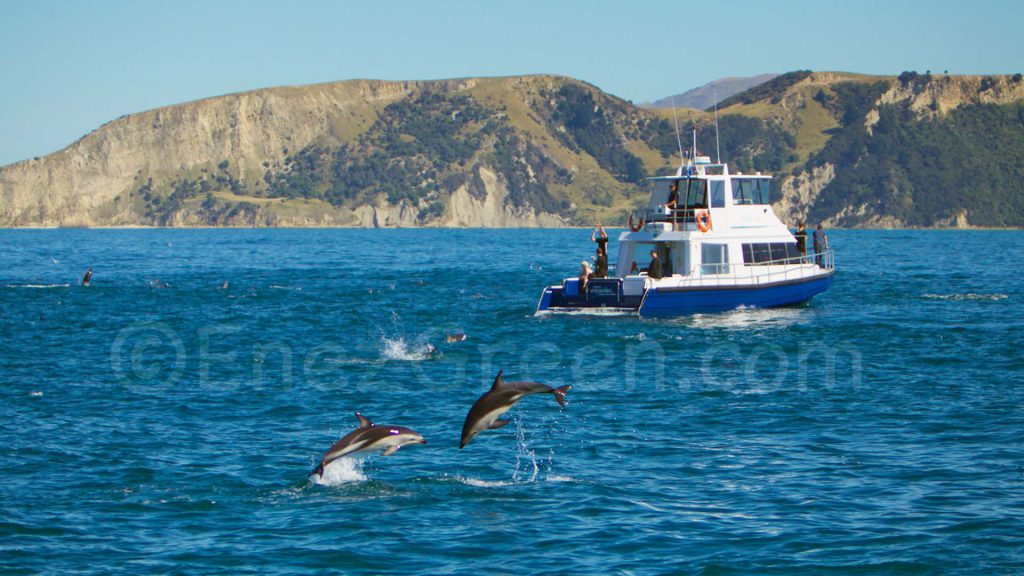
<point x="703" y="218"/>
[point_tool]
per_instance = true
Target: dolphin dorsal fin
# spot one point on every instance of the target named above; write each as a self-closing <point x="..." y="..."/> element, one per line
<point x="497" y="381"/>
<point x="364" y="422"/>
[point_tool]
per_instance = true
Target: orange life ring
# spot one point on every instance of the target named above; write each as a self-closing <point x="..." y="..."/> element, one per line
<point x="703" y="218"/>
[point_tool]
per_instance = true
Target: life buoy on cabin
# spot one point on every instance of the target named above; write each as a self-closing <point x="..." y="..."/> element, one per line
<point x="703" y="218"/>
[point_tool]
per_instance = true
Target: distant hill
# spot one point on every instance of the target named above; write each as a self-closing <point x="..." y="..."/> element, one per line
<point x="704" y="97"/>
<point x="846" y="149"/>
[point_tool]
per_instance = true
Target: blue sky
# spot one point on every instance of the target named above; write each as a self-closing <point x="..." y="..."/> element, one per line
<point x="67" y="67"/>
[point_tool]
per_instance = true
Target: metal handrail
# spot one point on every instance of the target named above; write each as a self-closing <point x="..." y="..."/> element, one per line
<point x="791" y="268"/>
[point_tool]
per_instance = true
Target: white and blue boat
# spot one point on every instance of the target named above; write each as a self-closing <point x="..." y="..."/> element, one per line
<point x="721" y="247"/>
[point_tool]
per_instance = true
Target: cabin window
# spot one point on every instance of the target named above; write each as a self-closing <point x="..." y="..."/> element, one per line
<point x="696" y="194"/>
<point x="778" y="251"/>
<point x="670" y="254"/>
<point x="717" y="188"/>
<point x="751" y="191"/>
<point x="774" y="253"/>
<point x="714" y="258"/>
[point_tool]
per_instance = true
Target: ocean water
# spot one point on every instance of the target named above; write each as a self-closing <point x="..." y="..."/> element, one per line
<point x="159" y="422"/>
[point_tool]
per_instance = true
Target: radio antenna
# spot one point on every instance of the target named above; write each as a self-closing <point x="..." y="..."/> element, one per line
<point x="718" y="148"/>
<point x="679" y="139"/>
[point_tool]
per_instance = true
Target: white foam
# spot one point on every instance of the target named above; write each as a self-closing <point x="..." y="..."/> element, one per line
<point x="746" y="318"/>
<point x="967" y="296"/>
<point x="35" y="394"/>
<point x="477" y="483"/>
<point x="557" y="478"/>
<point x="344" y="470"/>
<point x="399" y="349"/>
<point x="37" y="285"/>
<point x="604" y="312"/>
<point x="646" y="505"/>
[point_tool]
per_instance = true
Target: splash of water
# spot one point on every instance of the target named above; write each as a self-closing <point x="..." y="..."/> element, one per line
<point x="399" y="349"/>
<point x="526" y="458"/>
<point x="344" y="470"/>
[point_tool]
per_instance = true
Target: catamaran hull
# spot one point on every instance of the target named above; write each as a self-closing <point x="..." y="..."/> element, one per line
<point x="667" y="302"/>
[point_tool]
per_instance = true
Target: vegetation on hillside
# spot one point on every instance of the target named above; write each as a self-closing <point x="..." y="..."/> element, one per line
<point x="419" y="151"/>
<point x="924" y="171"/>
<point x="589" y="128"/>
<point x="919" y="167"/>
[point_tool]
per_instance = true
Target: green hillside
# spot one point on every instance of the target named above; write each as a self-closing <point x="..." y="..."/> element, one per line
<point x="846" y="149"/>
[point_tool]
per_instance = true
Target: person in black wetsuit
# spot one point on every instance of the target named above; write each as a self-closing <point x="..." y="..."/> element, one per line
<point x="654" y="270"/>
<point x="601" y="264"/>
<point x="602" y="239"/>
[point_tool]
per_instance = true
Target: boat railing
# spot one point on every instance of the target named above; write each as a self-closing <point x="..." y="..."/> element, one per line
<point x="779" y="270"/>
<point x="686" y="215"/>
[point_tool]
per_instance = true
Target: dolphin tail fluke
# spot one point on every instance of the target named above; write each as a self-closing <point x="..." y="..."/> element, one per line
<point x="560" y="393"/>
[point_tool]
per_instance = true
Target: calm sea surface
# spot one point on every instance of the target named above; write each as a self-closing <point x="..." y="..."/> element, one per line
<point x="159" y="422"/>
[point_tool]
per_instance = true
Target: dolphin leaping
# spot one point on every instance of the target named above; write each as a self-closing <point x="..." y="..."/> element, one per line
<point x="488" y="408"/>
<point x="367" y="438"/>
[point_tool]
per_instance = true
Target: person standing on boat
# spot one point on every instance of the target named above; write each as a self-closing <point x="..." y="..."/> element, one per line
<point x="801" y="240"/>
<point x="602" y="240"/>
<point x="820" y="245"/>
<point x="673" y="201"/>
<point x="673" y="195"/>
<point x="601" y="264"/>
<point x="654" y="269"/>
<point x="585" y="274"/>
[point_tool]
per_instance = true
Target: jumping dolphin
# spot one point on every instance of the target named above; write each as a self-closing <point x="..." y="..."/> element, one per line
<point x="369" y="437"/>
<point x="488" y="408"/>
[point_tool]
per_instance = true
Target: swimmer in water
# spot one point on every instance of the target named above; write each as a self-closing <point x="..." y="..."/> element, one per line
<point x="87" y="278"/>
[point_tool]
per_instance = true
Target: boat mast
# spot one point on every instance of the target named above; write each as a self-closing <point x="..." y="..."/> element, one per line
<point x="679" y="139"/>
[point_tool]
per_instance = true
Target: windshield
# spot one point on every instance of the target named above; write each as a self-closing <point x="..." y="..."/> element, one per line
<point x="751" y="190"/>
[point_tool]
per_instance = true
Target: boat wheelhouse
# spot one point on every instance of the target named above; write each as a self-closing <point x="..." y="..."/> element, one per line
<point x="720" y="246"/>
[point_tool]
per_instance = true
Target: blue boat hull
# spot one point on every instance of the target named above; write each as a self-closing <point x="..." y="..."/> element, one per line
<point x="663" y="303"/>
<point x="683" y="301"/>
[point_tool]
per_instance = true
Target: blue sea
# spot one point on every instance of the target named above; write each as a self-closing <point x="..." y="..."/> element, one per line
<point x="164" y="420"/>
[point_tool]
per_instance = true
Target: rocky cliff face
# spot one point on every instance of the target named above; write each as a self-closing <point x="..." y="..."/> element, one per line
<point x="125" y="172"/>
<point x="530" y="151"/>
<point x="81" y="185"/>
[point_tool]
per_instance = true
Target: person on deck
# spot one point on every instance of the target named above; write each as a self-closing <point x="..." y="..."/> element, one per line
<point x="673" y="195"/>
<point x="601" y="264"/>
<point x="654" y="269"/>
<point x="801" y="240"/>
<point x="602" y="239"/>
<point x="820" y="245"/>
<point x="673" y="201"/>
<point x="585" y="274"/>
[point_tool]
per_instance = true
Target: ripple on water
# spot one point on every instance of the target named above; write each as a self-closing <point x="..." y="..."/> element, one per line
<point x="876" y="430"/>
